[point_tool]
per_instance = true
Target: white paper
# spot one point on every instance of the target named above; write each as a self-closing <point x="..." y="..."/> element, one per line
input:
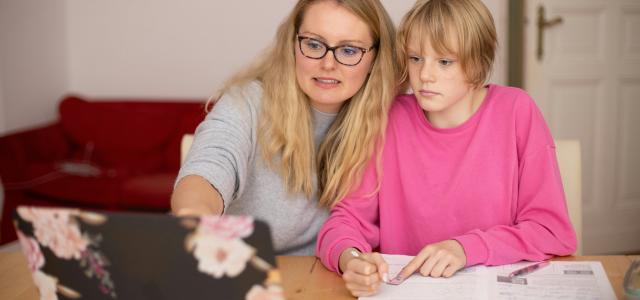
<point x="559" y="280"/>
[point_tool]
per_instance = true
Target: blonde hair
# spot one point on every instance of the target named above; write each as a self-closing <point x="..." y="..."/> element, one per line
<point x="285" y="133"/>
<point x="469" y="22"/>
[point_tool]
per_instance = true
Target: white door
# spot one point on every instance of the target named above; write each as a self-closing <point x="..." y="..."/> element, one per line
<point x="587" y="84"/>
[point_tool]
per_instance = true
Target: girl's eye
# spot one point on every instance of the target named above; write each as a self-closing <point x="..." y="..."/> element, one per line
<point x="445" y="62"/>
<point x="414" y="59"/>
<point x="348" y="50"/>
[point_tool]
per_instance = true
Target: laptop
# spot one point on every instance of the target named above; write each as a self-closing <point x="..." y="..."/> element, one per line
<point x="75" y="253"/>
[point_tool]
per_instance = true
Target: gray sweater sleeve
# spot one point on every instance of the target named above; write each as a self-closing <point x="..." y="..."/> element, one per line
<point x="225" y="142"/>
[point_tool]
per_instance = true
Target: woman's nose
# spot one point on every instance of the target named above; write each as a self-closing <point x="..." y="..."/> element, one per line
<point x="329" y="60"/>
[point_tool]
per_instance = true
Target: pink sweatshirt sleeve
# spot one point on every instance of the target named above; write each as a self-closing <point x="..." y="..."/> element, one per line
<point x="353" y="223"/>
<point x="541" y="226"/>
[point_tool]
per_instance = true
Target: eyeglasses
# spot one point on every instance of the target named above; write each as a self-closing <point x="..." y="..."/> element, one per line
<point x="344" y="54"/>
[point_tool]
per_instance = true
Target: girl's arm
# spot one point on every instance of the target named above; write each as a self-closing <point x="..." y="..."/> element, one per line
<point x="353" y="223"/>
<point x="541" y="227"/>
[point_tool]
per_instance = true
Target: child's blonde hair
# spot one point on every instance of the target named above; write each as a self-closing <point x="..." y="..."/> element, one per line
<point x="469" y="22"/>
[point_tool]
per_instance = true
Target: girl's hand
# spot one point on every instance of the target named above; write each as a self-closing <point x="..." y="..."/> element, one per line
<point x="363" y="272"/>
<point x="442" y="259"/>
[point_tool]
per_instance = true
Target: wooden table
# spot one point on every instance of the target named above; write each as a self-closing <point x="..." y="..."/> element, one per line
<point x="15" y="279"/>
<point x="304" y="277"/>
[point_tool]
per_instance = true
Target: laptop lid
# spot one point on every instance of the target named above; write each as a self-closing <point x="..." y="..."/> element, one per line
<point x="75" y="253"/>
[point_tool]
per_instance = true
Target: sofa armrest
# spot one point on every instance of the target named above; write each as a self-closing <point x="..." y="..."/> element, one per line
<point x="42" y="144"/>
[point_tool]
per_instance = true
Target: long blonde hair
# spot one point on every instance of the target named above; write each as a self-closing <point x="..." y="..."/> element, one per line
<point x="285" y="133"/>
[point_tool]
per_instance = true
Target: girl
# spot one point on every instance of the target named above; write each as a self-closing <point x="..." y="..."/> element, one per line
<point x="290" y="134"/>
<point x="469" y="173"/>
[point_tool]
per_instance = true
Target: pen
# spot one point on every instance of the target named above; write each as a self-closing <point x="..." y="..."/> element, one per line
<point x="528" y="269"/>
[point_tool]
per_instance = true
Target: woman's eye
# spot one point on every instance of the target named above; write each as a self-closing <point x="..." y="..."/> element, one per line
<point x="315" y="45"/>
<point x="348" y="50"/>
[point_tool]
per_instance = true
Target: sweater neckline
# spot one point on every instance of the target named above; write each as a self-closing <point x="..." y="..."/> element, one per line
<point x="466" y="124"/>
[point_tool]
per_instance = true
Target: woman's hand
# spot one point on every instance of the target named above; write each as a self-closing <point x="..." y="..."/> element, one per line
<point x="363" y="272"/>
<point x="442" y="259"/>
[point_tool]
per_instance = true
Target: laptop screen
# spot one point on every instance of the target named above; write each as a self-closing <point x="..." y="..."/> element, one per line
<point x="104" y="255"/>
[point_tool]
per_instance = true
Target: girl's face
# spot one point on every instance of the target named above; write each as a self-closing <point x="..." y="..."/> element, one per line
<point x="440" y="85"/>
<point x="327" y="82"/>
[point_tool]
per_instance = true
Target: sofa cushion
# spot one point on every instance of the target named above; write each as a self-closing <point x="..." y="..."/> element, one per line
<point x="94" y="192"/>
<point x="105" y="191"/>
<point x="113" y="134"/>
<point x="149" y="192"/>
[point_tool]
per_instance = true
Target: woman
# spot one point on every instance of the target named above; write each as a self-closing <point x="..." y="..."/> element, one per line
<point x="292" y="133"/>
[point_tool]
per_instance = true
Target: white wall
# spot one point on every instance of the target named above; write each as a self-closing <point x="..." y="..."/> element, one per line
<point x="33" y="61"/>
<point x="169" y="48"/>
<point x="140" y="48"/>
<point x="165" y="48"/>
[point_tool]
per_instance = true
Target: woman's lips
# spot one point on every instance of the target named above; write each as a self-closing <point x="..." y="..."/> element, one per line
<point x="326" y="82"/>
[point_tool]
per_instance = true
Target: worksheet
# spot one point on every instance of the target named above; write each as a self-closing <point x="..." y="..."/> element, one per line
<point x="558" y="280"/>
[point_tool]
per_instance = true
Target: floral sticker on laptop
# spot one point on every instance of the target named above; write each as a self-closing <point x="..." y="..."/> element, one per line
<point x="219" y="247"/>
<point x="58" y="230"/>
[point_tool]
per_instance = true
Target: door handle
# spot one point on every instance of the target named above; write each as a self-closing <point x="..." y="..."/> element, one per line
<point x="543" y="24"/>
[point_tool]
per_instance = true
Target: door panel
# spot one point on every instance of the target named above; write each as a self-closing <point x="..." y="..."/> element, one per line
<point x="588" y="86"/>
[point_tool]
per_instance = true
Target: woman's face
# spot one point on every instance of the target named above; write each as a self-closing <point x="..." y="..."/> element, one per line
<point x="327" y="82"/>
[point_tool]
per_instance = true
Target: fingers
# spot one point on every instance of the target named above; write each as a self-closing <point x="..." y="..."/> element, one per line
<point x="362" y="269"/>
<point x="360" y="290"/>
<point x="413" y="265"/>
<point x="427" y="266"/>
<point x="450" y="270"/>
<point x="361" y="275"/>
<point x="441" y="259"/>
<point x="436" y="264"/>
<point x="442" y="268"/>
<point x="361" y="293"/>
<point x="381" y="265"/>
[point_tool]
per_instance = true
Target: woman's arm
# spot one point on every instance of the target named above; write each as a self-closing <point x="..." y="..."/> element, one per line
<point x="193" y="195"/>
<point x="215" y="170"/>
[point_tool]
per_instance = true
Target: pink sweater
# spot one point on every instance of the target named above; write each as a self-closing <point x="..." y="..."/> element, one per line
<point x="492" y="184"/>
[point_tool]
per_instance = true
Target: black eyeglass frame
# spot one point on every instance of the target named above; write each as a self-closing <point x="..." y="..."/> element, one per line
<point x="332" y="49"/>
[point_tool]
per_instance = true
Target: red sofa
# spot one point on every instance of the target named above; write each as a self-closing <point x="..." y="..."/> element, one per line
<point x="108" y="154"/>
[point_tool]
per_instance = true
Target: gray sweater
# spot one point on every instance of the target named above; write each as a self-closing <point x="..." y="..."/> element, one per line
<point x="226" y="154"/>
